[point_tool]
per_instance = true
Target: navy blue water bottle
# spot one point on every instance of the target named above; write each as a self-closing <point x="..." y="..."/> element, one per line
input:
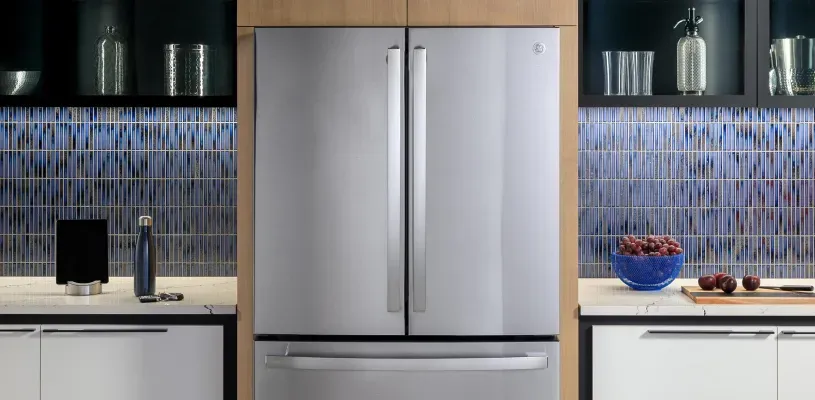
<point x="144" y="266"/>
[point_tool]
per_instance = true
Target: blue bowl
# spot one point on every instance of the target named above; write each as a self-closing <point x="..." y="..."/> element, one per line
<point x="647" y="272"/>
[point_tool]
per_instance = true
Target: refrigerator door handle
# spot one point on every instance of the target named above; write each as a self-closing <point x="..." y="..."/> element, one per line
<point x="407" y="364"/>
<point x="419" y="178"/>
<point x="395" y="266"/>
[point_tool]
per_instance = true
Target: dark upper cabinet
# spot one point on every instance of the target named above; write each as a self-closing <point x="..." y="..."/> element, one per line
<point x="786" y="19"/>
<point x="648" y="25"/>
<point x="56" y="43"/>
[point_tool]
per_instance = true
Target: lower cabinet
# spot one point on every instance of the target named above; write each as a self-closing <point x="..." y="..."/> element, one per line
<point x="90" y="362"/>
<point x="687" y="362"/>
<point x="796" y="350"/>
<point x="20" y="367"/>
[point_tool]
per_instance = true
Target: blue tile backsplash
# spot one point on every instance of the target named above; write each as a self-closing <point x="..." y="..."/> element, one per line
<point x="735" y="186"/>
<point x="178" y="165"/>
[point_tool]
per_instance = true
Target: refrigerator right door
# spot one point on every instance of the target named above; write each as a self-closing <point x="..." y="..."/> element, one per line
<point x="484" y="175"/>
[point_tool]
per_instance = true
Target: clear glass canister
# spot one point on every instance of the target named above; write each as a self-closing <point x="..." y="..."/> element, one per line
<point x="111" y="63"/>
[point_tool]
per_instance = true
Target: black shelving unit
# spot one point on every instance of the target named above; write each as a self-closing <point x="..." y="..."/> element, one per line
<point x="58" y="37"/>
<point x="646" y="25"/>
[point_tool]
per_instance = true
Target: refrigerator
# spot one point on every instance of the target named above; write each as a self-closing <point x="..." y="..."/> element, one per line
<point x="406" y="213"/>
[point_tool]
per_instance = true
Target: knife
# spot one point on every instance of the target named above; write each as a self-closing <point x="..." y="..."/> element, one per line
<point x="790" y="288"/>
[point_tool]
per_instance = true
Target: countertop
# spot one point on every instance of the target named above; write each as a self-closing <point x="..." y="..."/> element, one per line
<point x="41" y="295"/>
<point x="610" y="297"/>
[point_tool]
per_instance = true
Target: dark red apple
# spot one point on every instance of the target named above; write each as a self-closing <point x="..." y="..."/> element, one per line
<point x="751" y="282"/>
<point x="707" y="282"/>
<point x="719" y="276"/>
<point x="729" y="284"/>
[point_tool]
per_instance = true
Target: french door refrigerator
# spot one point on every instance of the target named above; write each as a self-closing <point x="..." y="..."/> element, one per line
<point x="406" y="213"/>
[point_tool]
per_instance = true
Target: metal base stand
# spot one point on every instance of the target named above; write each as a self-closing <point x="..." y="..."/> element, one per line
<point x="83" y="289"/>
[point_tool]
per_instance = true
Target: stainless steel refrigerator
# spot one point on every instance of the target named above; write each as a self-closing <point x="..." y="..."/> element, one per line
<point x="406" y="213"/>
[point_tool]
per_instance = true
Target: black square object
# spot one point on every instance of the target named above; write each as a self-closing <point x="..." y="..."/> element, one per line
<point x="82" y="251"/>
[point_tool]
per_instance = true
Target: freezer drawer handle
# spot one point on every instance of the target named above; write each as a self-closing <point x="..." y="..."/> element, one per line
<point x="407" y="364"/>
<point x="419" y="179"/>
<point x="706" y="332"/>
<point x="164" y="330"/>
<point x="796" y="333"/>
<point x="395" y="266"/>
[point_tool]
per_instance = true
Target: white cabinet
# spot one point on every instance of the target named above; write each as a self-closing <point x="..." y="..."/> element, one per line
<point x="94" y="362"/>
<point x="684" y="362"/>
<point x="796" y="350"/>
<point x="20" y="366"/>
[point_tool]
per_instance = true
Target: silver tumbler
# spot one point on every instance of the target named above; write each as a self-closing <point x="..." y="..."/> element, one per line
<point x="111" y="63"/>
<point x="199" y="64"/>
<point x="173" y="70"/>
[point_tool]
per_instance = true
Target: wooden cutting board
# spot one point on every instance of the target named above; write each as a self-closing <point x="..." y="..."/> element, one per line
<point x="741" y="296"/>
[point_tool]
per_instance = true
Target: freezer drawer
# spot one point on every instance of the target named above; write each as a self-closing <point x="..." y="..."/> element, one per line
<point x="329" y="198"/>
<point x="406" y="371"/>
<point x="485" y="169"/>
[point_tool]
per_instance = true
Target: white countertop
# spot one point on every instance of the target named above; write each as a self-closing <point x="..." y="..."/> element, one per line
<point x="612" y="297"/>
<point x="41" y="295"/>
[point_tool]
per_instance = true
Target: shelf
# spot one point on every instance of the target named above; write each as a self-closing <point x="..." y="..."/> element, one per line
<point x="787" y="101"/>
<point x="117" y="101"/>
<point x="667" y="101"/>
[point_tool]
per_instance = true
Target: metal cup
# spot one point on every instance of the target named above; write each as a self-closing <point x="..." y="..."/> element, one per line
<point x="199" y="65"/>
<point x="640" y="73"/>
<point x="615" y="73"/>
<point x="173" y="70"/>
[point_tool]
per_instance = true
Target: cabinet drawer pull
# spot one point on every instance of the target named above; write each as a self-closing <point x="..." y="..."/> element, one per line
<point x="796" y="333"/>
<point x="157" y="330"/>
<point x="18" y="330"/>
<point x="704" y="332"/>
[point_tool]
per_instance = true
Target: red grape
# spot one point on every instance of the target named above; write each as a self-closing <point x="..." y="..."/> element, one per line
<point x="663" y="251"/>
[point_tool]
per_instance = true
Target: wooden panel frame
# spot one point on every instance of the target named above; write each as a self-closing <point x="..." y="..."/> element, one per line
<point x="246" y="210"/>
<point x="569" y="349"/>
<point x="322" y="12"/>
<point x="491" y="12"/>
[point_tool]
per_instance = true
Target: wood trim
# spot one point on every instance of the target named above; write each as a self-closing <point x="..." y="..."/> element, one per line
<point x="491" y="12"/>
<point x="568" y="215"/>
<point x="322" y="12"/>
<point x="246" y="198"/>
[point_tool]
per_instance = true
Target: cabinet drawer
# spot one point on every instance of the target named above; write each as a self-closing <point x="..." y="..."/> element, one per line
<point x="684" y="362"/>
<point x="796" y="349"/>
<point x="131" y="362"/>
<point x="20" y="370"/>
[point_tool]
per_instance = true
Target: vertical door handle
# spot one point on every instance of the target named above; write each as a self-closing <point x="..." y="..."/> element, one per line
<point x="395" y="266"/>
<point x="419" y="179"/>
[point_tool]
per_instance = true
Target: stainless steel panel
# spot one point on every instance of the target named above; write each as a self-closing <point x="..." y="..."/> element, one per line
<point x="406" y="371"/>
<point x="492" y="204"/>
<point x="321" y="181"/>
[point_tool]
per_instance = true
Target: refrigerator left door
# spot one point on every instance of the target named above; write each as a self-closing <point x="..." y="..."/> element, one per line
<point x="329" y="179"/>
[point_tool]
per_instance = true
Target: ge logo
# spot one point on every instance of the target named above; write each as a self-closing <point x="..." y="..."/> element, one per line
<point x="538" y="48"/>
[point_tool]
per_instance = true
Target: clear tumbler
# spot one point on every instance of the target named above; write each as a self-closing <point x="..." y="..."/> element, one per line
<point x="640" y="73"/>
<point x="615" y="73"/>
